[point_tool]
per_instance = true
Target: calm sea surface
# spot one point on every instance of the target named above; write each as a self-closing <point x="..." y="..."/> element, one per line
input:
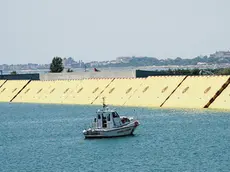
<point x="49" y="138"/>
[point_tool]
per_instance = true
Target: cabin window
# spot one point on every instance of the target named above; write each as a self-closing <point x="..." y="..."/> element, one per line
<point x="99" y="116"/>
<point x="115" y="115"/>
<point x="108" y="117"/>
<point x="103" y="117"/>
<point x="104" y="125"/>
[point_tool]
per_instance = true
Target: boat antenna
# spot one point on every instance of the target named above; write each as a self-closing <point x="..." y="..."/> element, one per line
<point x="136" y="114"/>
<point x="104" y="105"/>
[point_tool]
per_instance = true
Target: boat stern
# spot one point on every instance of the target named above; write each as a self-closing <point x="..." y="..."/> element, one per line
<point x="136" y="123"/>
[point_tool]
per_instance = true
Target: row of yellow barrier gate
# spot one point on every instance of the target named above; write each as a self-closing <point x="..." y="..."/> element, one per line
<point x="156" y="91"/>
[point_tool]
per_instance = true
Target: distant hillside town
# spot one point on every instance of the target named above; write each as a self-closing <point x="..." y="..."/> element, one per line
<point x="218" y="58"/>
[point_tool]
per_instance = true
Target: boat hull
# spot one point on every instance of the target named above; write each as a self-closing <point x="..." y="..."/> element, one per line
<point x="115" y="132"/>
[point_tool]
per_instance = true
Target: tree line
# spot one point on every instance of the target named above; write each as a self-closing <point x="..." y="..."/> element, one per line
<point x="192" y="72"/>
<point x="57" y="67"/>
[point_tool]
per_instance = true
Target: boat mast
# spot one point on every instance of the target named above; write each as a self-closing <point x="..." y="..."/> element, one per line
<point x="104" y="105"/>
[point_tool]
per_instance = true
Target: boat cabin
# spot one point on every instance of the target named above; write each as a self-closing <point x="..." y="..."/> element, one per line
<point x="107" y="119"/>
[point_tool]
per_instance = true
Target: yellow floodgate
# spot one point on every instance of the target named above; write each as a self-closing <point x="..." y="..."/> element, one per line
<point x="60" y="89"/>
<point x="87" y="91"/>
<point x="2" y="82"/>
<point x="46" y="91"/>
<point x="154" y="91"/>
<point x="223" y="100"/>
<point x="34" y="92"/>
<point x="196" y="91"/>
<point x="10" y="89"/>
<point x="119" y="91"/>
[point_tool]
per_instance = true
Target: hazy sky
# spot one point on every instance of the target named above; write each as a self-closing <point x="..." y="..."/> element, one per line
<point x="37" y="30"/>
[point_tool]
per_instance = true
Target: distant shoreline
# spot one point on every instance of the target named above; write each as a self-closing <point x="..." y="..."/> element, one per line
<point x="151" y="68"/>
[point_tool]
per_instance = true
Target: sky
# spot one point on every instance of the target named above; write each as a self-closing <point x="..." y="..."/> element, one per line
<point x="34" y="31"/>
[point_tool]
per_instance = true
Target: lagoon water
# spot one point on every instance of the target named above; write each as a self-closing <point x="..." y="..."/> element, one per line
<point x="49" y="138"/>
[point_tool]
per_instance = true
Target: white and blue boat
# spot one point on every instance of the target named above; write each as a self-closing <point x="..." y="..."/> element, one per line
<point x="108" y="123"/>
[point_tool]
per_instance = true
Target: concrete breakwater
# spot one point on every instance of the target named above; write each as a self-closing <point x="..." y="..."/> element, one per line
<point x="155" y="91"/>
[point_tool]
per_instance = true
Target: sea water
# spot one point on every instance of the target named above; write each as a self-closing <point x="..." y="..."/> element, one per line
<point x="35" y="137"/>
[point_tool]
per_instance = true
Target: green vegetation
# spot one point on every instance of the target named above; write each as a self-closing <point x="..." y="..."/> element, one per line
<point x="56" y="65"/>
<point x="150" y="61"/>
<point x="69" y="70"/>
<point x="13" y="73"/>
<point x="225" y="71"/>
<point x="220" y="71"/>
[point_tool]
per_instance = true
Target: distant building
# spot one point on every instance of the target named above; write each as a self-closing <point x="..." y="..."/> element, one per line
<point x="221" y="54"/>
<point x="123" y="59"/>
<point x="138" y="57"/>
<point x="94" y="63"/>
<point x="201" y="63"/>
<point x="113" y="62"/>
<point x="67" y="62"/>
<point x="71" y="63"/>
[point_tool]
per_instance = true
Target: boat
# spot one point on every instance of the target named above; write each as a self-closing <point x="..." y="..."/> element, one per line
<point x="108" y="123"/>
